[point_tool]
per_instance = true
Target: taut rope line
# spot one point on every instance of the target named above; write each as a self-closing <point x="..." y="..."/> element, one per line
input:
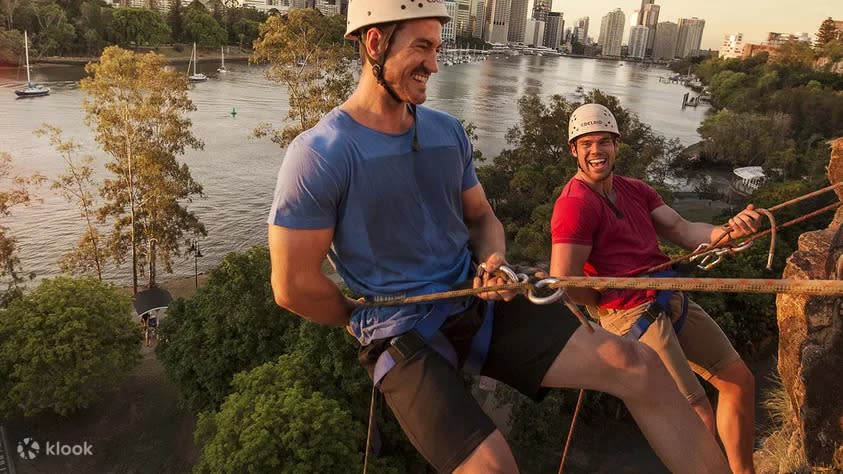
<point x="729" y="285"/>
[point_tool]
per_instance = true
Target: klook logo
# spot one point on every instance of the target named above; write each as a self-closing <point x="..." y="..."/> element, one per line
<point x="29" y="448"/>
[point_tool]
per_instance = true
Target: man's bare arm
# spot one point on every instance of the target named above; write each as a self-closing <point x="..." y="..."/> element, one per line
<point x="297" y="279"/>
<point x="568" y="260"/>
<point x="673" y="227"/>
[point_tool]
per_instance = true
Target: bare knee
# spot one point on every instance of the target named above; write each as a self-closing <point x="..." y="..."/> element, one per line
<point x="492" y="455"/>
<point x="635" y="366"/>
<point x="736" y="378"/>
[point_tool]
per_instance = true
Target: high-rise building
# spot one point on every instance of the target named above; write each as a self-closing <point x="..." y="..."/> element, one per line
<point x="732" y="46"/>
<point x="497" y="21"/>
<point x="650" y="20"/>
<point x="533" y="32"/>
<point x="449" y="30"/>
<point x="541" y="8"/>
<point x="664" y="46"/>
<point x="581" y="30"/>
<point x="478" y="19"/>
<point x="517" y="21"/>
<point x="638" y="41"/>
<point x="554" y="29"/>
<point x="611" y="32"/>
<point x="689" y="37"/>
<point x="462" y="20"/>
<point x="327" y="7"/>
<point x="641" y="11"/>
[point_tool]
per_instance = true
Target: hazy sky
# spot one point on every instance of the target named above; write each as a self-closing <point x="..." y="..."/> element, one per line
<point x="753" y="18"/>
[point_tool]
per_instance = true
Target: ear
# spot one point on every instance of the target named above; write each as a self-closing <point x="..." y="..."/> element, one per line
<point x="573" y="147"/>
<point x="373" y="41"/>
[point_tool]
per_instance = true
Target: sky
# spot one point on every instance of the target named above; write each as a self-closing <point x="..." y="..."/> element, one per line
<point x="753" y="18"/>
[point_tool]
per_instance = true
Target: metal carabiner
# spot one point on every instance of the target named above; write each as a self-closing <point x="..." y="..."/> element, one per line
<point x="508" y="273"/>
<point x="554" y="297"/>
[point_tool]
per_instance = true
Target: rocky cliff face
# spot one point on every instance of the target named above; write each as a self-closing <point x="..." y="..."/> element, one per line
<point x="811" y="342"/>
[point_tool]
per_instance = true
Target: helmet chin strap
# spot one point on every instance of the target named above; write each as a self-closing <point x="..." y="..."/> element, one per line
<point x="378" y="72"/>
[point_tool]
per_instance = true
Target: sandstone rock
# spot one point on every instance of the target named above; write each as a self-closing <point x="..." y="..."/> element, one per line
<point x="811" y="341"/>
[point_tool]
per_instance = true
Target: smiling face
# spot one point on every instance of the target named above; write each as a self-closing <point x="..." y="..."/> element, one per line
<point x="595" y="154"/>
<point x="412" y="58"/>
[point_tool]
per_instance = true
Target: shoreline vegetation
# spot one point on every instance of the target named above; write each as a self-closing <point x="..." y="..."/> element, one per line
<point x="170" y="54"/>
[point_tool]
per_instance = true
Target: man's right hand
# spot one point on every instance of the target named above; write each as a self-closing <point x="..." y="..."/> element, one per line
<point x="489" y="278"/>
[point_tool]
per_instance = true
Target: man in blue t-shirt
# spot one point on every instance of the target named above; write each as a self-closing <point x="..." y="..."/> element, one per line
<point x="387" y="189"/>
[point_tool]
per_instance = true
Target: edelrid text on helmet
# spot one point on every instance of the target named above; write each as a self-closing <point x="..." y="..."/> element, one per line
<point x="590" y="118"/>
<point x="364" y="13"/>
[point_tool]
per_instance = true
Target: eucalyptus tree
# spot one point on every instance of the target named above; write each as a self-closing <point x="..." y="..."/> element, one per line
<point x="138" y="110"/>
<point x="78" y="187"/>
<point x="308" y="55"/>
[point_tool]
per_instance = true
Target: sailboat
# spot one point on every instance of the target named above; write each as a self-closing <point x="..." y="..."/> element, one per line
<point x="196" y="76"/>
<point x="31" y="90"/>
<point x="222" y="67"/>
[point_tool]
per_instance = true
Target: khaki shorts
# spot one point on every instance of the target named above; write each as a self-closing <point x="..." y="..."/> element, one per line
<point x="701" y="347"/>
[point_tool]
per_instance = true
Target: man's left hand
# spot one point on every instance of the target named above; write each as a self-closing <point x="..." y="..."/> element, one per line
<point x="488" y="278"/>
<point x="745" y="222"/>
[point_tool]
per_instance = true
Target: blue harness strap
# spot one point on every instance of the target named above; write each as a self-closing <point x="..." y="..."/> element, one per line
<point x="660" y="305"/>
<point x="428" y="329"/>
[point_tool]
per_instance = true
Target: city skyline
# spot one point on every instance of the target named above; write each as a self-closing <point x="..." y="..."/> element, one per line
<point x="753" y="18"/>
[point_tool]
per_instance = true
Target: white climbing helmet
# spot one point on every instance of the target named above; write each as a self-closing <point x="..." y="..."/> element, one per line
<point x="363" y="13"/>
<point x="590" y="118"/>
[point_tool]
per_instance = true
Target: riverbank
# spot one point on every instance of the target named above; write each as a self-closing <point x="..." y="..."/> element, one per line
<point x="173" y="54"/>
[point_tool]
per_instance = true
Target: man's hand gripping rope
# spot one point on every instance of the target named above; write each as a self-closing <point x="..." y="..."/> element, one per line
<point x="502" y="274"/>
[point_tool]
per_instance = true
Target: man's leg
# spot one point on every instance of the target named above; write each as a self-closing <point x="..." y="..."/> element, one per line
<point x="712" y="356"/>
<point x="632" y="372"/>
<point x="492" y="456"/>
<point x="439" y="415"/>
<point x="661" y="337"/>
<point x="736" y="414"/>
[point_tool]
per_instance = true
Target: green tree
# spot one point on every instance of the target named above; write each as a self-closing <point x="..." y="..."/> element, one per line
<point x="76" y="185"/>
<point x="93" y="26"/>
<point x="138" y="26"/>
<point x="175" y="20"/>
<point x="231" y="324"/>
<point x="745" y="138"/>
<point x="11" y="47"/>
<point x="15" y="190"/>
<point x="138" y="111"/>
<point x="243" y="23"/>
<point x="54" y="34"/>
<point x="275" y="421"/>
<point x="827" y="32"/>
<point x="308" y="55"/>
<point x="64" y="343"/>
<point x="201" y="27"/>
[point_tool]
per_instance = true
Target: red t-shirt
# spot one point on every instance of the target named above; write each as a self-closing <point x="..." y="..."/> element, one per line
<point x="618" y="245"/>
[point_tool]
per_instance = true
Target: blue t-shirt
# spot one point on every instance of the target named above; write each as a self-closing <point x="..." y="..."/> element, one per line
<point x="396" y="213"/>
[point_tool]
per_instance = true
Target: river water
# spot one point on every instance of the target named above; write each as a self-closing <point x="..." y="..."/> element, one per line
<point x="238" y="171"/>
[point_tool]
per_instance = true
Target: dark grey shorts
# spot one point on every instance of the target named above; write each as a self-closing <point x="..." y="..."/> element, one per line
<point x="429" y="397"/>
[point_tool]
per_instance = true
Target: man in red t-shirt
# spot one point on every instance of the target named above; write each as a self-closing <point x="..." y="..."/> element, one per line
<point x="609" y="225"/>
